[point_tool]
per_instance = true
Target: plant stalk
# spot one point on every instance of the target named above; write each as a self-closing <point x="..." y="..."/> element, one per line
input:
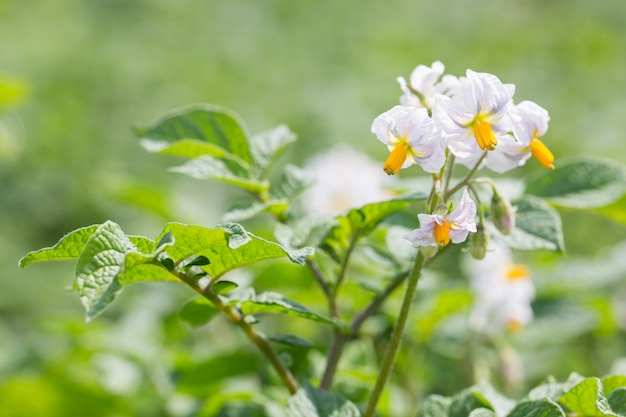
<point x="396" y="337"/>
<point x="255" y="337"/>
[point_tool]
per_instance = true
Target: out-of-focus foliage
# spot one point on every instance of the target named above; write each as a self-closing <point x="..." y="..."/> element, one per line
<point x="75" y="75"/>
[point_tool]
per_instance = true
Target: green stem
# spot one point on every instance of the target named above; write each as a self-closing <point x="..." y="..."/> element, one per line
<point x="465" y="180"/>
<point x="259" y="340"/>
<point x="340" y="339"/>
<point x="396" y="337"/>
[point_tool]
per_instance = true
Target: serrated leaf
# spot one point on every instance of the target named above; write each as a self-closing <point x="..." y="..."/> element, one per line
<point x="435" y="406"/>
<point x="198" y="311"/>
<point x="272" y="302"/>
<point x="291" y="340"/>
<point x="543" y="407"/>
<point x="211" y="124"/>
<point x="581" y="183"/>
<point x="587" y="399"/>
<point x="227" y="247"/>
<point x="538" y="226"/>
<point x="617" y="401"/>
<point x="98" y="267"/>
<point x="359" y="221"/>
<point x="222" y="286"/>
<point x="311" y="402"/>
<point x="266" y="146"/>
<point x="223" y="170"/>
<point x="67" y="248"/>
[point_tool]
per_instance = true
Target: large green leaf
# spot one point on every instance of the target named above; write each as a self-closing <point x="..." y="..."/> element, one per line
<point x="312" y="402"/>
<point x="226" y="247"/>
<point x="581" y="183"/>
<point x="465" y="401"/>
<point x="198" y="311"/>
<point x="617" y="401"/>
<point x="360" y="221"/>
<point x="272" y="302"/>
<point x="544" y="407"/>
<point x="223" y="170"/>
<point x="266" y="146"/>
<point x="587" y="399"/>
<point x="98" y="267"/>
<point x="553" y="389"/>
<point x="212" y="125"/>
<point x="538" y="226"/>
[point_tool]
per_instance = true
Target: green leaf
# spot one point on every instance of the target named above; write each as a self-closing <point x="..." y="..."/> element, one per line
<point x="554" y="390"/>
<point x="617" y="401"/>
<point x="464" y="402"/>
<point x="266" y="146"/>
<point x="198" y="311"/>
<point x="271" y="302"/>
<point x="581" y="183"/>
<point x="543" y="407"/>
<point x="482" y="412"/>
<point x="291" y="340"/>
<point x="587" y="399"/>
<point x="292" y="183"/>
<point x="244" y="211"/>
<point x="360" y="221"/>
<point x="612" y="382"/>
<point x="435" y="406"/>
<point x="311" y="402"/>
<point x="98" y="267"/>
<point x="615" y="211"/>
<point x="227" y="247"/>
<point x="208" y="124"/>
<point x="538" y="226"/>
<point x="223" y="170"/>
<point x="67" y="248"/>
<point x="222" y="287"/>
<point x="496" y="401"/>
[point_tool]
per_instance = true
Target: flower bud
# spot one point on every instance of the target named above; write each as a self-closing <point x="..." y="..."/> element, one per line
<point x="479" y="242"/>
<point x="502" y="214"/>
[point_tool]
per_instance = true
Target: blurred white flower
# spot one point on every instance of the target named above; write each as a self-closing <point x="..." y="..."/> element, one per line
<point x="344" y="179"/>
<point x="503" y="292"/>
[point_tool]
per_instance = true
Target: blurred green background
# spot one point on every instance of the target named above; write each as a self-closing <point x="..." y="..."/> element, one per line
<point x="75" y="75"/>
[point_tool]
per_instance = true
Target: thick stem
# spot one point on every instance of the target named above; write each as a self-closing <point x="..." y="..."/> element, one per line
<point x="255" y="337"/>
<point x="396" y="337"/>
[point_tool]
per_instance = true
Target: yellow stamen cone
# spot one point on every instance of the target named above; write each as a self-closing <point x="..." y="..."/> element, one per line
<point x="396" y="159"/>
<point x="485" y="137"/>
<point x="442" y="233"/>
<point x="514" y="272"/>
<point x="542" y="153"/>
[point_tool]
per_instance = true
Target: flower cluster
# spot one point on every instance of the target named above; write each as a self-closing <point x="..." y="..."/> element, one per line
<point x="472" y="120"/>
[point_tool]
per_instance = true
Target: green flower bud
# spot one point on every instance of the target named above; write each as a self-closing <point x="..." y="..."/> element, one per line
<point x="479" y="242"/>
<point x="502" y="214"/>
